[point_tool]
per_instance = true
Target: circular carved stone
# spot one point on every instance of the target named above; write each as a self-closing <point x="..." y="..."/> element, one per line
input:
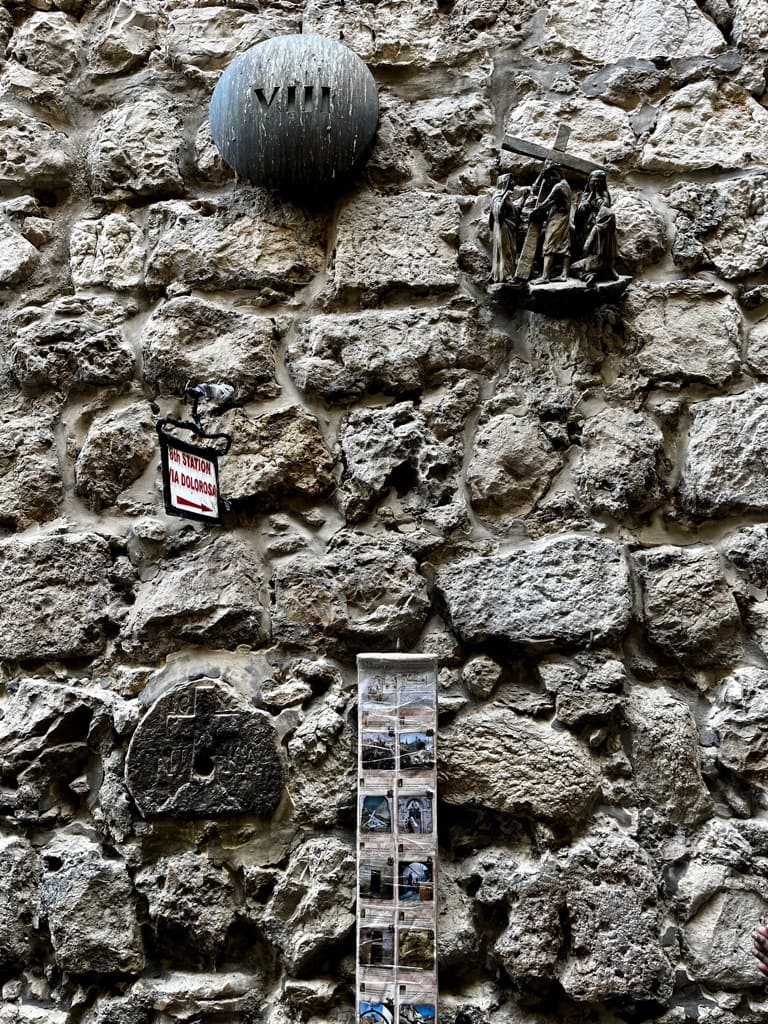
<point x="202" y="751"/>
<point x="294" y="111"/>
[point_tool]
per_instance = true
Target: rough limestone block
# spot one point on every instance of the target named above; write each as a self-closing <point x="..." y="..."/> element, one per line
<point x="18" y="257"/>
<point x="393" y="351"/>
<point x="191" y="339"/>
<point x="688" y="608"/>
<point x="64" y="354"/>
<point x="56" y="596"/>
<point x="618" y="470"/>
<point x="608" y="32"/>
<point x="30" y="477"/>
<point x="89" y="902"/>
<point x="19" y="900"/>
<point x="108" y="251"/>
<point x="588" y="689"/>
<point x="641" y="234"/>
<point x="720" y="956"/>
<point x="276" y="457"/>
<point x="705" y="125"/>
<point x="117" y="449"/>
<point x="47" y="43"/>
<point x="364" y="591"/>
<point x="136" y="149"/>
<point x="562" y="590"/>
<point x="121" y="36"/>
<point x="31" y="153"/>
<point x="208" y="38"/>
<point x="665" y="755"/>
<point x="513" y="464"/>
<point x="403" y="241"/>
<point x="191" y="896"/>
<point x="527" y="769"/>
<point x="747" y="549"/>
<point x="211" y="596"/>
<point x="750" y="24"/>
<point x="312" y="906"/>
<point x="740" y="719"/>
<point x="683" y="331"/>
<point x="251" y="241"/>
<point x="723" y="224"/>
<point x="725" y="470"/>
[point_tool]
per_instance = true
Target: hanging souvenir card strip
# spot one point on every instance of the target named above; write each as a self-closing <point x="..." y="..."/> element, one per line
<point x="397" y="839"/>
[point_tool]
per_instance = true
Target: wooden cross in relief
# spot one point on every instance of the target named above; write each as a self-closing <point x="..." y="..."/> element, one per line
<point x="558" y="156"/>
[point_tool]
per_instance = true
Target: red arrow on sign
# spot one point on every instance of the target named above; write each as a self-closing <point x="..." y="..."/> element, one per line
<point x="192" y="504"/>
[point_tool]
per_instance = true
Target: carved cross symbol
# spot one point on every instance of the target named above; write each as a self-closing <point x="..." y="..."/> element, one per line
<point x="556" y="155"/>
<point x="204" y="730"/>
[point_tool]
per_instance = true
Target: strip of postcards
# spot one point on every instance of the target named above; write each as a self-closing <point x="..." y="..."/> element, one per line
<point x="397" y="840"/>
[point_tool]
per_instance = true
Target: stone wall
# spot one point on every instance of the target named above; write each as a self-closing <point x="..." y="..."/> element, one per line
<point x="571" y="514"/>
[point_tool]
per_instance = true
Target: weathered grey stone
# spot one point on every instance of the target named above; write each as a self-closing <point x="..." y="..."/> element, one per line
<point x="689" y="610"/>
<point x="108" y="251"/>
<point x="481" y="675"/>
<point x="191" y="897"/>
<point x="203" y="751"/>
<point x="589" y="690"/>
<point x="47" y="351"/>
<point x="613" y="30"/>
<point x="740" y="717"/>
<point x="705" y="125"/>
<point x="121" y="36"/>
<point x="117" y="449"/>
<point x="407" y="241"/>
<point x="52" y="738"/>
<point x="618" y="471"/>
<point x="31" y="153"/>
<point x="274" y="457"/>
<point x="750" y="24"/>
<point x="250" y="241"/>
<point x="364" y="591"/>
<point x="665" y="755"/>
<point x="528" y="769"/>
<point x="209" y="163"/>
<point x="341" y="357"/>
<point x="56" y="596"/>
<point x="391" y="448"/>
<point x="312" y="907"/>
<point x="135" y="150"/>
<point x="210" y="596"/>
<point x="641" y="234"/>
<point x="30" y="477"/>
<point x="207" y="38"/>
<point x="714" y="937"/>
<point x="18" y="257"/>
<point x="683" y="331"/>
<point x="725" y="470"/>
<point x="757" y="348"/>
<point x="722" y="224"/>
<point x="19" y="901"/>
<point x="184" y="995"/>
<point x="747" y="549"/>
<point x="563" y="590"/>
<point x="513" y="464"/>
<point x="90" y="907"/>
<point x="47" y="43"/>
<point x="191" y="339"/>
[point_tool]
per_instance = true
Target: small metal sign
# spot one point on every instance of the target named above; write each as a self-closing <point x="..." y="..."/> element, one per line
<point x="190" y="479"/>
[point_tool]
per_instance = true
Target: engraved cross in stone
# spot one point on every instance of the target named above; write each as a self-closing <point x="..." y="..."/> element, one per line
<point x="556" y="155"/>
<point x="203" y="730"/>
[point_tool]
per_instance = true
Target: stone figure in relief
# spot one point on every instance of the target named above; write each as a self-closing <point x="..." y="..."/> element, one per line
<point x="555" y="212"/>
<point x="595" y="231"/>
<point x="503" y="220"/>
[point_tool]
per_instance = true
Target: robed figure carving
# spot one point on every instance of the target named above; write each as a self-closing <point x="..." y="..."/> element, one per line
<point x="503" y="220"/>
<point x="555" y="210"/>
<point x="595" y="231"/>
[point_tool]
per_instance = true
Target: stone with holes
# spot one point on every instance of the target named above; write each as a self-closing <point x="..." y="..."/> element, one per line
<point x="203" y="751"/>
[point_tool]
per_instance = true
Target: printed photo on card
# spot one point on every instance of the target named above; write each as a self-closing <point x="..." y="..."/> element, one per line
<point x="377" y="1013"/>
<point x="414" y="813"/>
<point x="375" y="814"/>
<point x="415" y="881"/>
<point x="417" y="948"/>
<point x="416" y="690"/>
<point x="377" y="878"/>
<point x="416" y="1013"/>
<point x="377" y="947"/>
<point x="417" y="749"/>
<point x="377" y="750"/>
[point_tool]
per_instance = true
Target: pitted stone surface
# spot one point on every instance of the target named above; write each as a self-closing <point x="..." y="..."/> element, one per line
<point x="563" y="590"/>
<point x="203" y="751"/>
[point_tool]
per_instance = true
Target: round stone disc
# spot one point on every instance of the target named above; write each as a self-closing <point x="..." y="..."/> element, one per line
<point x="203" y="751"/>
<point x="294" y="112"/>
